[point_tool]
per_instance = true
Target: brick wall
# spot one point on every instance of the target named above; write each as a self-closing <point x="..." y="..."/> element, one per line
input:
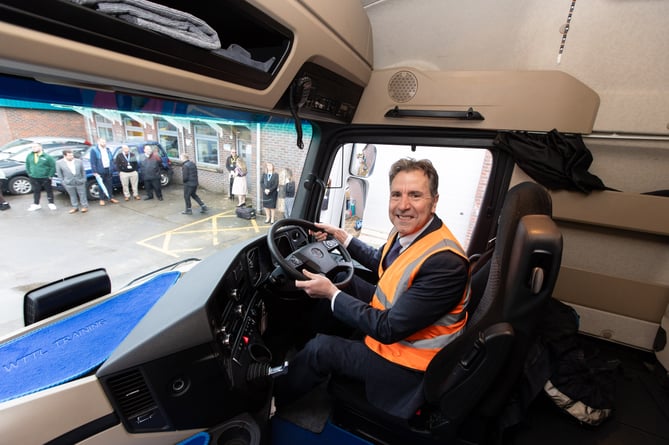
<point x="22" y="122"/>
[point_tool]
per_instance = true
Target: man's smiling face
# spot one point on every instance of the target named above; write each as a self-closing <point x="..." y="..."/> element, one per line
<point x="411" y="206"/>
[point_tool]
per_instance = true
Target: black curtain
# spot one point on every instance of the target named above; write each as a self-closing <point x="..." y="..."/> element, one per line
<point x="554" y="160"/>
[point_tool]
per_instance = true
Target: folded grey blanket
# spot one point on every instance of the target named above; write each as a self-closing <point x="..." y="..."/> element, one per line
<point x="239" y="54"/>
<point x="171" y="22"/>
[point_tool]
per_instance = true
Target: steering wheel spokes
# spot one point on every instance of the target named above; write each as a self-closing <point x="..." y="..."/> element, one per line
<point x="326" y="257"/>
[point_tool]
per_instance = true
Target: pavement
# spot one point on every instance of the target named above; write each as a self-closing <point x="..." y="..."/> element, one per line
<point x="128" y="239"/>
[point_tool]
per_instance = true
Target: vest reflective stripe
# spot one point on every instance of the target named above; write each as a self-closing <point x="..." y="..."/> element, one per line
<point x="417" y="350"/>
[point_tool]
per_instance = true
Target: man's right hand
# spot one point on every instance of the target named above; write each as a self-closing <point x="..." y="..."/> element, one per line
<point x="337" y="233"/>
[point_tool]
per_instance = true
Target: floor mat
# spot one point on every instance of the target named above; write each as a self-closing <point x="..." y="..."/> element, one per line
<point x="310" y="411"/>
<point x="287" y="433"/>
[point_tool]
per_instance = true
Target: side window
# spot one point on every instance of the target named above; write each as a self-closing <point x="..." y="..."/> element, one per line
<point x="359" y="189"/>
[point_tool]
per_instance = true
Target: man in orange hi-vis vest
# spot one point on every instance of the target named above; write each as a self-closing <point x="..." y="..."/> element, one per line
<point x="415" y="309"/>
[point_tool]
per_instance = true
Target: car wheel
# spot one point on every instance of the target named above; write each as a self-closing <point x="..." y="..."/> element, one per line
<point x="20" y="185"/>
<point x="92" y="190"/>
<point x="164" y="179"/>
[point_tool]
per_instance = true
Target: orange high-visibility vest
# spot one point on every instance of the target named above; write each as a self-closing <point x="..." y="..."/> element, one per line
<point x="417" y="350"/>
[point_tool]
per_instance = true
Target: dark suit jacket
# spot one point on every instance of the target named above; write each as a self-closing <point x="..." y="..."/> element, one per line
<point x="437" y="288"/>
<point x="128" y="165"/>
<point x="150" y="167"/>
<point x="269" y="200"/>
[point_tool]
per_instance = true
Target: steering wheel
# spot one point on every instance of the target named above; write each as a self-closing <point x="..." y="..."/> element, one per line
<point x="317" y="257"/>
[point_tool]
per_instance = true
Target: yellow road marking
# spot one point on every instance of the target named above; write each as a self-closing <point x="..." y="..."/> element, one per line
<point x="164" y="242"/>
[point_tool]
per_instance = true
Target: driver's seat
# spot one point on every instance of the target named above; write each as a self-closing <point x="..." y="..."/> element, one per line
<point x="469" y="381"/>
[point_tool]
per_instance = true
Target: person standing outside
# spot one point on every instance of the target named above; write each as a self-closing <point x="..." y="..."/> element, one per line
<point x="151" y="165"/>
<point x="289" y="193"/>
<point x="189" y="175"/>
<point x="127" y="166"/>
<point x="269" y="183"/>
<point x="40" y="168"/>
<point x="230" y="165"/>
<point x="239" y="186"/>
<point x="103" y="168"/>
<point x="71" y="171"/>
<point x="417" y="307"/>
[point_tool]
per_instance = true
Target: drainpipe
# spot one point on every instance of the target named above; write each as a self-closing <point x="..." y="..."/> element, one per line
<point x="258" y="170"/>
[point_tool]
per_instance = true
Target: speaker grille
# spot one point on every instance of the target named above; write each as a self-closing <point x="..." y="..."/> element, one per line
<point x="402" y="86"/>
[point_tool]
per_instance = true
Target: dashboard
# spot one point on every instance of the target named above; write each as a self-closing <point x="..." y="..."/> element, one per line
<point x="199" y="356"/>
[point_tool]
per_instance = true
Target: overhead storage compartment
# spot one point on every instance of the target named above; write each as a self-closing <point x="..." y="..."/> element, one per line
<point x="265" y="48"/>
<point x="224" y="40"/>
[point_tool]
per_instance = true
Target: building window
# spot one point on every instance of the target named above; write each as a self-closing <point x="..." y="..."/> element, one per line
<point x="244" y="139"/>
<point x="206" y="145"/>
<point x="104" y="127"/>
<point x="133" y="129"/>
<point x="168" y="136"/>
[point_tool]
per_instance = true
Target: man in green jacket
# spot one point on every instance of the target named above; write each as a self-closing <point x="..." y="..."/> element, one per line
<point x="40" y="168"/>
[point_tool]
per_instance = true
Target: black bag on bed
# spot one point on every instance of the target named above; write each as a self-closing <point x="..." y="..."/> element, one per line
<point x="245" y="212"/>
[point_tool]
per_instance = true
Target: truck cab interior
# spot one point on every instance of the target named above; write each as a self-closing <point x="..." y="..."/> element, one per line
<point x="190" y="356"/>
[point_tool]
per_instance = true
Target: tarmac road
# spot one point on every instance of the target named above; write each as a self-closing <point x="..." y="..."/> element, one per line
<point x="128" y="239"/>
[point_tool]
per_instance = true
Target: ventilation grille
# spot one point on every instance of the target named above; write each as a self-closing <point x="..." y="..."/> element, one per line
<point x="402" y="86"/>
<point x="131" y="394"/>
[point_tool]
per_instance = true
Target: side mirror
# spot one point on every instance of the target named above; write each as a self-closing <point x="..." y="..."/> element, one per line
<point x="363" y="161"/>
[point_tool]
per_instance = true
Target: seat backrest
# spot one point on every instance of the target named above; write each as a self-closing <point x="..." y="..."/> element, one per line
<point x="527" y="198"/>
<point x="523" y="269"/>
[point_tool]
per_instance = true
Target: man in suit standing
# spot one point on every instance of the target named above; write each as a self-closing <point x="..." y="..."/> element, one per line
<point x="102" y="165"/>
<point x="150" y="167"/>
<point x="416" y="308"/>
<point x="71" y="171"/>
<point x="230" y="165"/>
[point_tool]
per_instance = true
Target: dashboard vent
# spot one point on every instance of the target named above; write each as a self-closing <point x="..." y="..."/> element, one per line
<point x="131" y="393"/>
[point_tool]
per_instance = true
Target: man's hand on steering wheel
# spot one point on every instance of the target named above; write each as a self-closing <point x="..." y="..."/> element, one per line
<point x="317" y="286"/>
<point x="327" y="229"/>
<point x="325" y="256"/>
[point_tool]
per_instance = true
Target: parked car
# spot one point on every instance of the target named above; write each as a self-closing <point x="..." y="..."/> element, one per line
<point x="14" y="167"/>
<point x="18" y="145"/>
<point x="137" y="148"/>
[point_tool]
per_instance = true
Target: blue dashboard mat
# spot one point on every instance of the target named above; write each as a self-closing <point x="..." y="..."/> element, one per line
<point x="74" y="346"/>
